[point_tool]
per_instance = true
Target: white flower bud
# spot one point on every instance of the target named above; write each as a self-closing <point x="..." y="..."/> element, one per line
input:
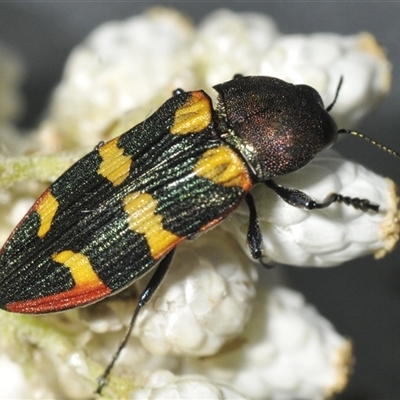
<point x="287" y="351"/>
<point x="15" y="386"/>
<point x="235" y="42"/>
<point x="329" y="236"/>
<point x="120" y="66"/>
<point x="162" y="385"/>
<point x="205" y="299"/>
<point x="319" y="60"/>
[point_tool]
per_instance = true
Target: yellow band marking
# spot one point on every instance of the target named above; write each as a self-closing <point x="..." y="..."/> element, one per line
<point x="224" y="167"/>
<point x="140" y="208"/>
<point x="115" y="165"/>
<point x="46" y="207"/>
<point x="194" y="116"/>
<point x="80" y="267"/>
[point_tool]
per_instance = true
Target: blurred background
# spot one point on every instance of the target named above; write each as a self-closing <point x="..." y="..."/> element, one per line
<point x="362" y="297"/>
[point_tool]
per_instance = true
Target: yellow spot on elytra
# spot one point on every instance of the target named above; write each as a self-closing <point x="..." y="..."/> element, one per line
<point x="115" y="165"/>
<point x="80" y="267"/>
<point x="140" y="208"/>
<point x="194" y="116"/>
<point x="224" y="167"/>
<point x="46" y="208"/>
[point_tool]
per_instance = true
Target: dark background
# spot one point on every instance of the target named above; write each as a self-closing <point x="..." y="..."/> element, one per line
<point x="362" y="297"/>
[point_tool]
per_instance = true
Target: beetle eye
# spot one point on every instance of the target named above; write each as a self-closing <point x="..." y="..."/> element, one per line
<point x="330" y="130"/>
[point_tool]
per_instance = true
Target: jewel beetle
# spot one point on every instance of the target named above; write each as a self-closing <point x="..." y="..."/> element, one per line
<point x="123" y="208"/>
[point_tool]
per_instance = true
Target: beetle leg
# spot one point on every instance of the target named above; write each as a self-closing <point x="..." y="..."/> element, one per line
<point x="297" y="198"/>
<point x="145" y="297"/>
<point x="254" y="239"/>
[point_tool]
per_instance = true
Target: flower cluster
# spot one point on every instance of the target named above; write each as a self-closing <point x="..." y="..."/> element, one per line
<point x="214" y="329"/>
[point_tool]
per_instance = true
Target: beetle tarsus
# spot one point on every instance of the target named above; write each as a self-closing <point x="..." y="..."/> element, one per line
<point x="299" y="199"/>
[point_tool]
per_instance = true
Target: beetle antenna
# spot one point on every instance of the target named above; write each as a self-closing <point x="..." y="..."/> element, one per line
<point x="329" y="108"/>
<point x="358" y="134"/>
<point x="372" y="141"/>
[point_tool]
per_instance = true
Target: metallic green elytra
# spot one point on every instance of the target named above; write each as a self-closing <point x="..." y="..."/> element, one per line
<point x="122" y="207"/>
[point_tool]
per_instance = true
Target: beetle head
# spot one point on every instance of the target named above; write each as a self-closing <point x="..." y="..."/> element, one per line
<point x="278" y="127"/>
